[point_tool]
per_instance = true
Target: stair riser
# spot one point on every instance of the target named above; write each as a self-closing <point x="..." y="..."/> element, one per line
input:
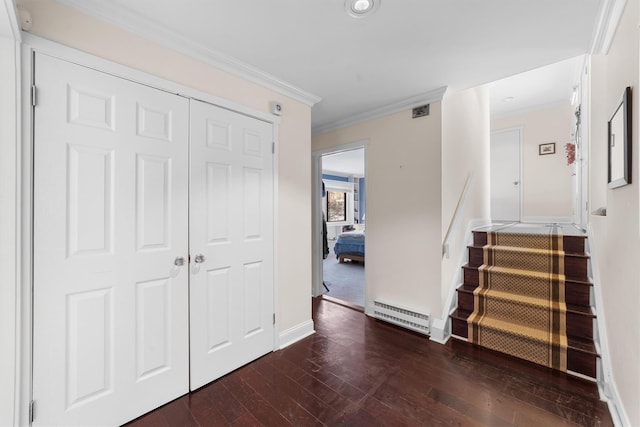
<point x="465" y="301"/>
<point x="471" y="276"/>
<point x="577" y="294"/>
<point x="582" y="363"/>
<point x="579" y="325"/>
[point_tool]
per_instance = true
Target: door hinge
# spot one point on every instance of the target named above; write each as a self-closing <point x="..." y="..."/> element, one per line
<point x="32" y="411"/>
<point x="273" y="148"/>
<point x="33" y="95"/>
<point x="274" y="318"/>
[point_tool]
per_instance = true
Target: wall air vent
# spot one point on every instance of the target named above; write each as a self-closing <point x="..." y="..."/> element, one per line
<point x="415" y="321"/>
<point x="421" y="111"/>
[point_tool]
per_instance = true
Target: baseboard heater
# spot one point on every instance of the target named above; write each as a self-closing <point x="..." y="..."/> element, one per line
<point x="409" y="319"/>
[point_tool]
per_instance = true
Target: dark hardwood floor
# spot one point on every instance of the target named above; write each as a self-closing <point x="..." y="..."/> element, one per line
<point x="356" y="371"/>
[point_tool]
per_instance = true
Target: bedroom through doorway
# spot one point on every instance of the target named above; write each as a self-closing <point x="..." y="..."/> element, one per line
<point x="343" y="203"/>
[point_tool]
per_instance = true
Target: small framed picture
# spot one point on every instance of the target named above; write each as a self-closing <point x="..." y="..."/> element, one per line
<point x="549" y="148"/>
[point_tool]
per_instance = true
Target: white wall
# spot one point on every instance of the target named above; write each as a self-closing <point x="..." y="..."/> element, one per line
<point x="547" y="181"/>
<point x="8" y="227"/>
<point x="403" y="205"/>
<point x="69" y="27"/>
<point x="465" y="152"/>
<point x="9" y="221"/>
<point x="616" y="237"/>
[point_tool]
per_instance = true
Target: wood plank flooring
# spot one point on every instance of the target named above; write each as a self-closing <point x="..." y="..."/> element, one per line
<point x="356" y="371"/>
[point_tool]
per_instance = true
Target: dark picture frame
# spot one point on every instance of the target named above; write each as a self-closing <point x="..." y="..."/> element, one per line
<point x="549" y="148"/>
<point x="619" y="143"/>
<point x="336" y="206"/>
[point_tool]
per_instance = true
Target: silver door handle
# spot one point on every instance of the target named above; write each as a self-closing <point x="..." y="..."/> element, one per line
<point x="515" y="182"/>
<point x="179" y="261"/>
<point x="199" y="259"/>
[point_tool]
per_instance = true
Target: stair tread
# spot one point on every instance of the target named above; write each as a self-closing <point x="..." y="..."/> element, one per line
<point x="521" y="273"/>
<point x="515" y="329"/>
<point x="460" y="314"/>
<point x="467" y="288"/>
<point x="525" y="249"/>
<point x="503" y="270"/>
<point x="580" y="309"/>
<point x="516" y="299"/>
<point x="571" y="280"/>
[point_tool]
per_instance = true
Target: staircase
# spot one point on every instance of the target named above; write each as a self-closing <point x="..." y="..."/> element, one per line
<point x="580" y="356"/>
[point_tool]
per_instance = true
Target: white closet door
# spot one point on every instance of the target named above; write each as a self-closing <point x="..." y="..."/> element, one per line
<point x="231" y="233"/>
<point x="110" y="217"/>
<point x="505" y="175"/>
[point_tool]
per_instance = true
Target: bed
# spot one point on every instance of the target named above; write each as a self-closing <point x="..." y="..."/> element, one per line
<point x="350" y="245"/>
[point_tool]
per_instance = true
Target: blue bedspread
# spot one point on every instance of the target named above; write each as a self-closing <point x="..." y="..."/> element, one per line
<point x="350" y="243"/>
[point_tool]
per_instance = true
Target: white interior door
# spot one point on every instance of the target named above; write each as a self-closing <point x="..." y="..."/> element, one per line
<point x="110" y="218"/>
<point x="231" y="240"/>
<point x="505" y="175"/>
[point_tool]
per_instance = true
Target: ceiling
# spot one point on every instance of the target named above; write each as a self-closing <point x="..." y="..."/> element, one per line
<point x="405" y="49"/>
<point x="349" y="162"/>
<point x="545" y="86"/>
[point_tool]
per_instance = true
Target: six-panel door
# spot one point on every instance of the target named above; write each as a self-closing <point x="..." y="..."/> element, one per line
<point x="231" y="229"/>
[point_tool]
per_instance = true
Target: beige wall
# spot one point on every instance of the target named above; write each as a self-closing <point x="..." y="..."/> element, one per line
<point x="465" y="152"/>
<point x="403" y="172"/>
<point x="616" y="237"/>
<point x="547" y="181"/>
<point x="69" y="27"/>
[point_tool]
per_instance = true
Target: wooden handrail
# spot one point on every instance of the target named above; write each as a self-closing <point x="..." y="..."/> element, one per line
<point x="456" y="212"/>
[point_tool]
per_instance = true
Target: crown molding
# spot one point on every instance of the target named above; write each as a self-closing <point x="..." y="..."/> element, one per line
<point x="607" y="24"/>
<point x="143" y="27"/>
<point x="435" y="95"/>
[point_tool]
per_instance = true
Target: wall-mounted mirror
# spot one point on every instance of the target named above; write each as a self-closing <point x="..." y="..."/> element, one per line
<point x="620" y="142"/>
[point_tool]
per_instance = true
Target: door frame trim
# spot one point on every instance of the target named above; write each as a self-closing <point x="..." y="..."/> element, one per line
<point x="30" y="46"/>
<point x="520" y="130"/>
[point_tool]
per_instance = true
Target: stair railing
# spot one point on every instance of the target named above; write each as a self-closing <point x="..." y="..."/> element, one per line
<point x="456" y="213"/>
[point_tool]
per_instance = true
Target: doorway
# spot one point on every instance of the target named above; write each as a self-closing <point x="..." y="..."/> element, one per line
<point x="339" y="222"/>
<point x="506" y="182"/>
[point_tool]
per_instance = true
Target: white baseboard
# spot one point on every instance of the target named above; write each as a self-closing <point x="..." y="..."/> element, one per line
<point x="606" y="382"/>
<point x="609" y="393"/>
<point x="547" y="219"/>
<point x="440" y="331"/>
<point x="294" y="334"/>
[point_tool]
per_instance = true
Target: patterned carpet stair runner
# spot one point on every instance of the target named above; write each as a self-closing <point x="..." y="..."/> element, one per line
<point x="519" y="306"/>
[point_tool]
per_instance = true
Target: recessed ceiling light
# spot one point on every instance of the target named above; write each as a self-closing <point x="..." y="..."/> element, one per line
<point x="360" y="8"/>
<point x="508" y="99"/>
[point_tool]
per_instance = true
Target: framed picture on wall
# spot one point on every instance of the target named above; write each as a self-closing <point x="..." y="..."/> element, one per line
<point x="544" y="149"/>
<point x="619" y="126"/>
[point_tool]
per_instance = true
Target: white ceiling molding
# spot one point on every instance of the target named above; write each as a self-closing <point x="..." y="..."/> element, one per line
<point x="149" y="30"/>
<point x="9" y="21"/>
<point x="608" y="20"/>
<point x="435" y="95"/>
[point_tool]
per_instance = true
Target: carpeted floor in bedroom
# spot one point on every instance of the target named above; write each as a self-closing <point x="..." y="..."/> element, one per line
<point x="345" y="281"/>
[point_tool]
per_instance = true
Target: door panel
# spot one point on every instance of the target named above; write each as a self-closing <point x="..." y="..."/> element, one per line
<point x="110" y="217"/>
<point x="231" y="225"/>
<point x="505" y="175"/>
